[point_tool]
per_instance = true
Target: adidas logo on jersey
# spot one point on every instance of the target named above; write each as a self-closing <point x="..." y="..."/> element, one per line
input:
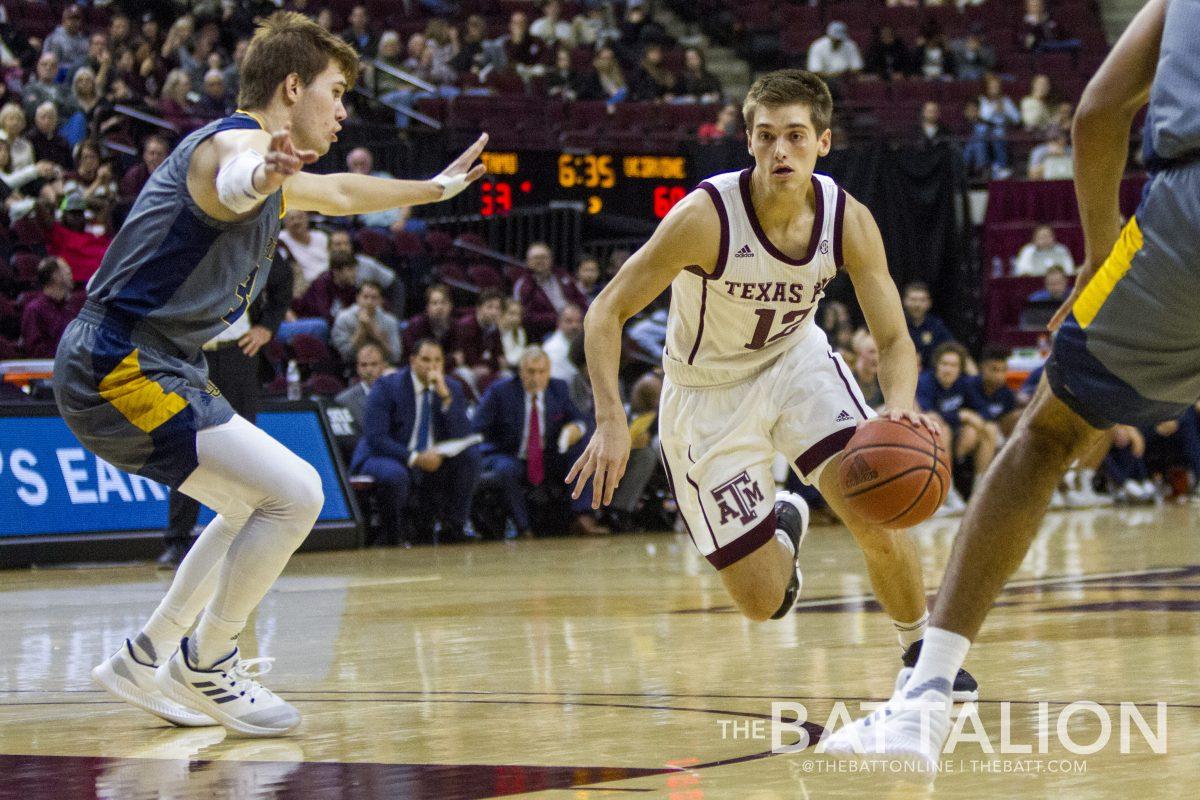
<point x="843" y="417"/>
<point x="745" y="252"/>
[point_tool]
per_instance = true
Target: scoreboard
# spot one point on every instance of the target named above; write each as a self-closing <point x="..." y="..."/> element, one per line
<point x="634" y="185"/>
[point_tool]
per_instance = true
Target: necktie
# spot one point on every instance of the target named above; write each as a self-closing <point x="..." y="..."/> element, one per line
<point x="423" y="422"/>
<point x="534" y="469"/>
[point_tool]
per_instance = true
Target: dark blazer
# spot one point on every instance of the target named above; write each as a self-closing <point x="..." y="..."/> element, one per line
<point x="391" y="412"/>
<point x="537" y="312"/>
<point x="500" y="416"/>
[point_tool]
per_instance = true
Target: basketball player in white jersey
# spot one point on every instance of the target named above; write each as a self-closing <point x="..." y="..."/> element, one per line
<point x="749" y="373"/>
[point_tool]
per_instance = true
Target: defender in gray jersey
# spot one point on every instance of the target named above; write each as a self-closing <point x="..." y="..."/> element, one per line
<point x="131" y="382"/>
<point x="1127" y="351"/>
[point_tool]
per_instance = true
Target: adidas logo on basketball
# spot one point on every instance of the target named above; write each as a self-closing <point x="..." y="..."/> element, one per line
<point x="860" y="472"/>
<point x="745" y="252"/>
<point x="843" y="417"/>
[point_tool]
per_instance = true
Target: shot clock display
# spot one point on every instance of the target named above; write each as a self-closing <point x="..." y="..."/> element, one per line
<point x="633" y="185"/>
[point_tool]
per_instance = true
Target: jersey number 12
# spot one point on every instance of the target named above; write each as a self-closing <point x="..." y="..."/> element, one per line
<point x="766" y="320"/>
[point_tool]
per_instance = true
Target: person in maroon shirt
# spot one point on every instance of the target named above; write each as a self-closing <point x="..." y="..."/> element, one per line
<point x="154" y="153"/>
<point x="46" y="315"/>
<point x="331" y="291"/>
<point x="437" y="322"/>
<point x="544" y="292"/>
<point x="478" y="338"/>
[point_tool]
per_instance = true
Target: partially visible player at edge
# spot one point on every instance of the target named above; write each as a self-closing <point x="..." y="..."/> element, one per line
<point x="749" y="373"/>
<point x="131" y="383"/>
<point x="1127" y="352"/>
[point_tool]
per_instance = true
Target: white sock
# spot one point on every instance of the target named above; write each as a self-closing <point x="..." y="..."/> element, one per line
<point x="942" y="656"/>
<point x="242" y="467"/>
<point x="787" y="541"/>
<point x="215" y="638"/>
<point x="909" y="632"/>
<point x="1085" y="479"/>
<point x="191" y="589"/>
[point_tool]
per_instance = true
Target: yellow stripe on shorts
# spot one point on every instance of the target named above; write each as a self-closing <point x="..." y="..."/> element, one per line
<point x="1112" y="270"/>
<point x="142" y="401"/>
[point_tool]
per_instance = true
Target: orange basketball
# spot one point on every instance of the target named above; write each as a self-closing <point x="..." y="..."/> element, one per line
<point x="894" y="473"/>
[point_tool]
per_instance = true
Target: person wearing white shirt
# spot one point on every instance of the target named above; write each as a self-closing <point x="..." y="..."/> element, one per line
<point x="1042" y="253"/>
<point x="512" y="334"/>
<point x="558" y="344"/>
<point x="309" y="248"/>
<point x="550" y="27"/>
<point x="834" y="53"/>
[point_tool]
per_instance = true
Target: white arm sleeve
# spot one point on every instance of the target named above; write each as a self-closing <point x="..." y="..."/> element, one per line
<point x="235" y="182"/>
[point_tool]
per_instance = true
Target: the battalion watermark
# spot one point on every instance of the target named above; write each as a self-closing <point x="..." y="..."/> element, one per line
<point x="1026" y="731"/>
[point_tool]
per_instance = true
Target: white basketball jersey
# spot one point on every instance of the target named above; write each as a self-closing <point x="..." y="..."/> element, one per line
<point x="732" y="324"/>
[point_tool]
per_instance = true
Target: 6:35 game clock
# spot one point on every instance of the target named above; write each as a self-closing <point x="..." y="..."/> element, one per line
<point x="632" y="185"/>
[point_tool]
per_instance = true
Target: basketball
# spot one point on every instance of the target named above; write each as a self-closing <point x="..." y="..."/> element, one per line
<point x="894" y="473"/>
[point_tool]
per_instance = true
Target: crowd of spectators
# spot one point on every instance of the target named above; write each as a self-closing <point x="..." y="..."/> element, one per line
<point x="904" y="59"/>
<point x="417" y="359"/>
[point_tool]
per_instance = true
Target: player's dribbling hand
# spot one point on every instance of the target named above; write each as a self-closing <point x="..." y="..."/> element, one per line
<point x="925" y="421"/>
<point x="603" y="461"/>
<point x="282" y="160"/>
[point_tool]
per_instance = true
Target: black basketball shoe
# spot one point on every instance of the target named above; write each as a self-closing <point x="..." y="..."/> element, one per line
<point x="966" y="688"/>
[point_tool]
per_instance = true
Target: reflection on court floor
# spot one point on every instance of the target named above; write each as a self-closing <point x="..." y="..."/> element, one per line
<point x="598" y="668"/>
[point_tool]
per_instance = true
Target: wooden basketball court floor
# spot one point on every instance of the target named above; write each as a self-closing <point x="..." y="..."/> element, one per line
<point x="614" y="667"/>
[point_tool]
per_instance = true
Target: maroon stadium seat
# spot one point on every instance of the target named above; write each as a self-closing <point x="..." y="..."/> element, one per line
<point x="323" y="384"/>
<point x="310" y="351"/>
<point x="374" y="243"/>
<point x="26" y="231"/>
<point x="485" y="276"/>
<point x="24" y="267"/>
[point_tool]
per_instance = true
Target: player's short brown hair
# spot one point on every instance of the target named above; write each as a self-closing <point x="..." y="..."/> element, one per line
<point x="788" y="86"/>
<point x="288" y="42"/>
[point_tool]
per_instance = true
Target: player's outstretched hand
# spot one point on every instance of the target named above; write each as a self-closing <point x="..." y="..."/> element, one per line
<point x="283" y="160"/>
<point x="603" y="461"/>
<point x="462" y="171"/>
<point x="925" y="421"/>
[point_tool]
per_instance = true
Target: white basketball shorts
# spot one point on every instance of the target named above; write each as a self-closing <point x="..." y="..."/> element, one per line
<point x="718" y="443"/>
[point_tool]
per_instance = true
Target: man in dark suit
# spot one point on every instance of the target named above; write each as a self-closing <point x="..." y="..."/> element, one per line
<point x="233" y="363"/>
<point x="525" y="421"/>
<point x="407" y="413"/>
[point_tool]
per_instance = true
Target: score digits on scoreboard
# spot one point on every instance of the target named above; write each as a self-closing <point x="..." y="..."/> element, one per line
<point x="633" y="185"/>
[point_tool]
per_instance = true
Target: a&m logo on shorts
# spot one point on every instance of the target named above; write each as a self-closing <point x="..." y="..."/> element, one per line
<point x="737" y="498"/>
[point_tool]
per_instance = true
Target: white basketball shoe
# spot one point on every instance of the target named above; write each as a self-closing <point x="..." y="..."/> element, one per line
<point x="911" y="727"/>
<point x="229" y="692"/>
<point x="125" y="677"/>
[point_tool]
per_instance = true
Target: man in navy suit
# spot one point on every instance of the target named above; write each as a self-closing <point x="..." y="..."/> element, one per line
<point x="524" y="421"/>
<point x="406" y="414"/>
